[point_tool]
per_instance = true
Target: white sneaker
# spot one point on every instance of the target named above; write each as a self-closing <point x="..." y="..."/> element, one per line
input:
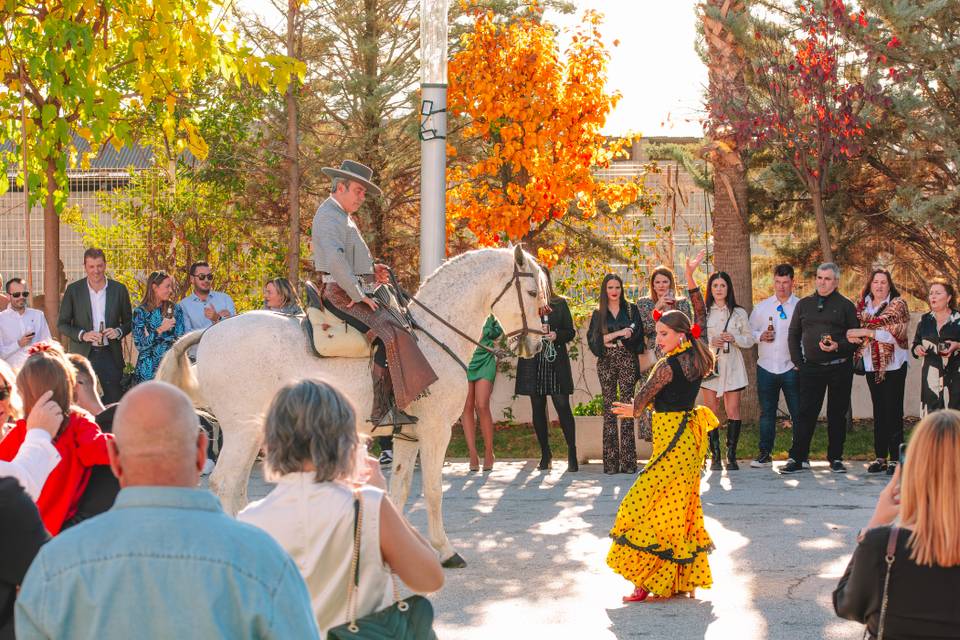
<point x="208" y="467"/>
<point x="386" y="457"/>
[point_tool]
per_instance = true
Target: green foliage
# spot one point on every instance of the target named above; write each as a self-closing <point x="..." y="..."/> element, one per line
<point x="164" y="223"/>
<point x="593" y="407"/>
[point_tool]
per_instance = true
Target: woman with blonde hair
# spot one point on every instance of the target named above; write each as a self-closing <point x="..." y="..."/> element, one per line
<point x="318" y="461"/>
<point x="157" y="324"/>
<point x="280" y="296"/>
<point x="913" y="542"/>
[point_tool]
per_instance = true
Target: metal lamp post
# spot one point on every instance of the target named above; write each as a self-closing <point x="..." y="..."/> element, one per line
<point x="433" y="134"/>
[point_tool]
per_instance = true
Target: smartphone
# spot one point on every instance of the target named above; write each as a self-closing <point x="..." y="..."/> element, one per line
<point x="903" y="454"/>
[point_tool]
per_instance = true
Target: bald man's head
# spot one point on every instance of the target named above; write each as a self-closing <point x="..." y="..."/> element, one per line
<point x="158" y="441"/>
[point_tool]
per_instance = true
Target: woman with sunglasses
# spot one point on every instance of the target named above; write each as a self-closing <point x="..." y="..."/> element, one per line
<point x="770" y="323"/>
<point x="157" y="323"/>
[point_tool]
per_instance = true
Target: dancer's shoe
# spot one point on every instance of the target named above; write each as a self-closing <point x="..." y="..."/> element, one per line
<point x="639" y="595"/>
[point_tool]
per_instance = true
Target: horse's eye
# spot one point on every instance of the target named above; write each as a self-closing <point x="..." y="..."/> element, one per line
<point x="532" y="294"/>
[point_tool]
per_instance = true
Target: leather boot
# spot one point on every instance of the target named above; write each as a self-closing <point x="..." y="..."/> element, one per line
<point x="385" y="412"/>
<point x="543" y="439"/>
<point x="570" y="435"/>
<point x="733" y="437"/>
<point x="715" y="452"/>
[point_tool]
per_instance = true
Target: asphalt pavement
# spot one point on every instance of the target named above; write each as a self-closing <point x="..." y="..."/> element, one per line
<point x="535" y="544"/>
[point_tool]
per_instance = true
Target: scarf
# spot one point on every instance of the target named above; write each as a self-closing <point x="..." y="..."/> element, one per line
<point x="893" y="317"/>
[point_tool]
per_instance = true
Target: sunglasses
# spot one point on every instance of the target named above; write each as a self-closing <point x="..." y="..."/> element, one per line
<point x="20" y="294"/>
<point x="204" y="276"/>
<point x="783" y="314"/>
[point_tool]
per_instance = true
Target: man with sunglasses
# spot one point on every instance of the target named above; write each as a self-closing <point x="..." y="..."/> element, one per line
<point x="20" y="325"/>
<point x="775" y="370"/>
<point x="205" y="307"/>
<point x="824" y="359"/>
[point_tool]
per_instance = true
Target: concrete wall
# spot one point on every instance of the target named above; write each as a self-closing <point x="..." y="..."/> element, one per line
<point x="587" y="385"/>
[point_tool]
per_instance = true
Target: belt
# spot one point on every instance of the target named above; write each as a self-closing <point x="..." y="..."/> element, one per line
<point x="326" y="278"/>
<point x="832" y="362"/>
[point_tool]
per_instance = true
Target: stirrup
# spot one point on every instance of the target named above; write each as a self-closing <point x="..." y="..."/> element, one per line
<point x="396" y="418"/>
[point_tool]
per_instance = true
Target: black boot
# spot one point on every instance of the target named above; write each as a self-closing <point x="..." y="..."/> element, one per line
<point x="570" y="435"/>
<point x="546" y="458"/>
<point x="715" y="452"/>
<point x="385" y="411"/>
<point x="733" y="437"/>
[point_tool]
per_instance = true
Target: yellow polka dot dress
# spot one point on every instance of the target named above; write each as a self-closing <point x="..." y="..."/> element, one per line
<point x="659" y="541"/>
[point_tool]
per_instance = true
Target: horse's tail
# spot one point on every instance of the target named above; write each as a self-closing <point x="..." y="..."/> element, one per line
<point x="175" y="368"/>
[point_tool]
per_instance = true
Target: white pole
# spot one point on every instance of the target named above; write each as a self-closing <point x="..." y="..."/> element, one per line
<point x="433" y="134"/>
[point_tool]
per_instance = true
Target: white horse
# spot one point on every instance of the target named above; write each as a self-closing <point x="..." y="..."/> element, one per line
<point x="243" y="361"/>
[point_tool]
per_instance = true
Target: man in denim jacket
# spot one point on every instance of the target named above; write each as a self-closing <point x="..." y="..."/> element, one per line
<point x="165" y="561"/>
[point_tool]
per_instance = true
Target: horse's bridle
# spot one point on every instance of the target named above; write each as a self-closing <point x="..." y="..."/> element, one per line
<point x="522" y="332"/>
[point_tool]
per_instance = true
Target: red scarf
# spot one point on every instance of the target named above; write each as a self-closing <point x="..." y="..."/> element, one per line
<point x="893" y="317"/>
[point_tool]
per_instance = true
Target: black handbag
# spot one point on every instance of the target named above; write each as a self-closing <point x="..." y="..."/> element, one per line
<point x="889" y="557"/>
<point x="407" y="619"/>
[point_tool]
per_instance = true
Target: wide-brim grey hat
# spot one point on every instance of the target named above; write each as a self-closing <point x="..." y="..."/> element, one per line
<point x="351" y="170"/>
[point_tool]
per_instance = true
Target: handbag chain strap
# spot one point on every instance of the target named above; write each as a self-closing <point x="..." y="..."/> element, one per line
<point x="353" y="585"/>
<point x="889" y="558"/>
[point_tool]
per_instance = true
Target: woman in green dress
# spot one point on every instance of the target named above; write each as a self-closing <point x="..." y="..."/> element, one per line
<point x="480" y="376"/>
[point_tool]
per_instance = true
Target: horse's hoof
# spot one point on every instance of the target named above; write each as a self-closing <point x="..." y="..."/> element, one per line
<point x="454" y="562"/>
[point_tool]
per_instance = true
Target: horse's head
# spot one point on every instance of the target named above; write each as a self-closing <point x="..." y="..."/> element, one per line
<point x="517" y="305"/>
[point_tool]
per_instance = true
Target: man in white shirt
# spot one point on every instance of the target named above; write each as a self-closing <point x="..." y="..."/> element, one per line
<point x="775" y="369"/>
<point x="20" y="326"/>
<point x="37" y="456"/>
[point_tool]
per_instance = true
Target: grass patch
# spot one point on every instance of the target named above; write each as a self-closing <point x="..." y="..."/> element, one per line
<point x="519" y="441"/>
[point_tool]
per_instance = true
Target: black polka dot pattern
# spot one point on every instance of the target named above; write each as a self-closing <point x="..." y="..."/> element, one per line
<point x="660" y="542"/>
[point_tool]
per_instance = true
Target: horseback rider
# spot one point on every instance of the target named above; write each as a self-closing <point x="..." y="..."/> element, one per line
<point x="358" y="292"/>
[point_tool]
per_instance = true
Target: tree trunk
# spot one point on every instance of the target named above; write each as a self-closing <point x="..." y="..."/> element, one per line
<point x="816" y="197"/>
<point x="51" y="250"/>
<point x="293" y="154"/>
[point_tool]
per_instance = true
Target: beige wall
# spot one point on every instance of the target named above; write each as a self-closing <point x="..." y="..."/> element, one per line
<point x="586" y="383"/>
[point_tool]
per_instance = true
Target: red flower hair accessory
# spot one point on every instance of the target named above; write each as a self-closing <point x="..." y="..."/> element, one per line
<point x="695" y="331"/>
<point x="657" y="315"/>
<point x="40" y="346"/>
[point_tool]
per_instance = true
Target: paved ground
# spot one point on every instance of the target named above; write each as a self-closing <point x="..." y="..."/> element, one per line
<point x="535" y="545"/>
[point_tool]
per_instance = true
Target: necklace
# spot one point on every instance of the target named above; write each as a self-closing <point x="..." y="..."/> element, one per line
<point x="683" y="346"/>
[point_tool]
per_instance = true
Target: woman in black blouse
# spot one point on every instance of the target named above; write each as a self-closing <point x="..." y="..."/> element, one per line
<point x="615" y="338"/>
<point x="936" y="341"/>
<point x="918" y="514"/>
<point x="548" y="374"/>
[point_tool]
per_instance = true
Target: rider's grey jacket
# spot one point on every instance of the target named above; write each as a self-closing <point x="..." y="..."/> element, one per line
<point x="339" y="249"/>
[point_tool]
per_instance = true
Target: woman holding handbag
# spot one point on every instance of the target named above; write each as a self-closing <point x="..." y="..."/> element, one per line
<point x="728" y="331"/>
<point x="882" y="356"/>
<point x="314" y="454"/>
<point x="904" y="576"/>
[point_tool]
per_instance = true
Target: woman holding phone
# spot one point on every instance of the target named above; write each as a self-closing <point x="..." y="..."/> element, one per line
<point x="662" y="298"/>
<point x="936" y="341"/>
<point x="157" y="323"/>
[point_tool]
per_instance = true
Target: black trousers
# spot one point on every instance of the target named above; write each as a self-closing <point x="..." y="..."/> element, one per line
<point x="835" y="381"/>
<point x="887" y="397"/>
<point x="109" y="374"/>
<point x="564" y="413"/>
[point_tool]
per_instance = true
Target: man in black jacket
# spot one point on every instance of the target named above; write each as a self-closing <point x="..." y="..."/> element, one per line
<point x="823" y="356"/>
<point x="21" y="536"/>
<point x="95" y="314"/>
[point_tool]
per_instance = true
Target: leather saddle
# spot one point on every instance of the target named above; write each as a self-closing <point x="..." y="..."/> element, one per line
<point x="330" y="336"/>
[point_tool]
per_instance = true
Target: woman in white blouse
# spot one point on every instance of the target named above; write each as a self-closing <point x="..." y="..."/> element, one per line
<point x="728" y="331"/>
<point x="314" y="454"/>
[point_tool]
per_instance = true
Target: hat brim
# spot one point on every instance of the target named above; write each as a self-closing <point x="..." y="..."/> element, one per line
<point x="339" y="173"/>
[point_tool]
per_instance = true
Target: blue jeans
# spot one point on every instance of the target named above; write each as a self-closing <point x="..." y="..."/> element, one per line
<point x="769" y="386"/>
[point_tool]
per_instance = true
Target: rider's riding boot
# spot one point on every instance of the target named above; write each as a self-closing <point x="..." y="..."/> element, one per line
<point x="715" y="452"/>
<point x="733" y="437"/>
<point x="385" y="412"/>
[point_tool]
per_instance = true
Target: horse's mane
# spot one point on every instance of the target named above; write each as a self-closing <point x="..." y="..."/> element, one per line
<point x="468" y="256"/>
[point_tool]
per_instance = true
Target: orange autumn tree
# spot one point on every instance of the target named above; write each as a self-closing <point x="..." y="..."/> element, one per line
<point x="531" y="130"/>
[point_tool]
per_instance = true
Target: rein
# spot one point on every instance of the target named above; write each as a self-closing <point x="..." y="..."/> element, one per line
<point x="497" y="353"/>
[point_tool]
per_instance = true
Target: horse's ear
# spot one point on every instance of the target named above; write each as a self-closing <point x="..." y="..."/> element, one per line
<point x="518" y="255"/>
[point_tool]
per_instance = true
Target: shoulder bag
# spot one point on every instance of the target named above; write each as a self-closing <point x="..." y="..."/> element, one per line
<point x="407" y="619"/>
<point x="716" y="361"/>
<point x="888" y="558"/>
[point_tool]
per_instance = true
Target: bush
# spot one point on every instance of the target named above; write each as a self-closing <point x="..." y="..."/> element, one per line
<point x="592" y="408"/>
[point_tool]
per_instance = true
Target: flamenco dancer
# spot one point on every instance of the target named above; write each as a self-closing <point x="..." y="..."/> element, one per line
<point x="659" y="542"/>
